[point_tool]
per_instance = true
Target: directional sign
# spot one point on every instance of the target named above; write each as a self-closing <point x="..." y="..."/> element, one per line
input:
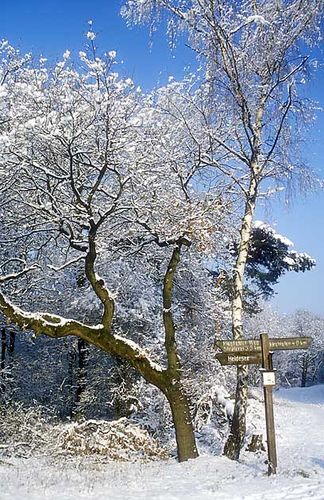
<point x="238" y="346"/>
<point x="239" y="359"/>
<point x="254" y="345"/>
<point x="289" y="343"/>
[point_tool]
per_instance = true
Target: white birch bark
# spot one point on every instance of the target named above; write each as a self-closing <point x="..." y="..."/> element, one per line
<point x="238" y="429"/>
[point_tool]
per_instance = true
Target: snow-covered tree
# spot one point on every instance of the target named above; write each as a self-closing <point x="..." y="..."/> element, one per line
<point x="104" y="221"/>
<point x="306" y="365"/>
<point x="270" y="257"/>
<point x="257" y="61"/>
<point x="295" y="367"/>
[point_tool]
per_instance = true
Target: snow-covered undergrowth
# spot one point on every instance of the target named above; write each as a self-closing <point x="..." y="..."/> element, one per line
<point x="28" y="433"/>
<point x="25" y="431"/>
<point x="299" y="417"/>
<point x="118" y="440"/>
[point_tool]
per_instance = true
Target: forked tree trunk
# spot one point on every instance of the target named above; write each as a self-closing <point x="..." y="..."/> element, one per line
<point x="173" y="389"/>
<point x="167" y="380"/>
<point x="238" y="429"/>
<point x="182" y="421"/>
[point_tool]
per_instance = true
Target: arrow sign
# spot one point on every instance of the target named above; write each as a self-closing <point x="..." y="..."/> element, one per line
<point x="239" y="359"/>
<point x="254" y="346"/>
<point x="238" y="346"/>
<point x="290" y="343"/>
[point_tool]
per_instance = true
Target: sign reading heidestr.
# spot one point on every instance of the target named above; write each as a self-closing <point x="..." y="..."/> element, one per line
<point x="268" y="378"/>
<point x="253" y="358"/>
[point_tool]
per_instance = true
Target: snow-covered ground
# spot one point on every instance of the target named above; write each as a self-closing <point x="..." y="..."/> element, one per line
<point x="299" y="416"/>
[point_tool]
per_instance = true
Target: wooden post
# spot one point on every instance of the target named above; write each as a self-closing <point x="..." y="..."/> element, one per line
<point x="268" y="402"/>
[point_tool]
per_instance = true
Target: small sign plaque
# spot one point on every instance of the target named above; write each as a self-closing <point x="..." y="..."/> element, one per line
<point x="268" y="378"/>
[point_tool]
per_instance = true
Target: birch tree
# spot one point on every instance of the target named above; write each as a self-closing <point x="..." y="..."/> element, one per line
<point x="257" y="59"/>
<point x="99" y="187"/>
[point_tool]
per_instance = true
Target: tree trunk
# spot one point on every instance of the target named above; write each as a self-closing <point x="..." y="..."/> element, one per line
<point x="3" y="360"/>
<point x="238" y="428"/>
<point x="256" y="444"/>
<point x="236" y="437"/>
<point x="185" y="437"/>
<point x="12" y="340"/>
<point x="305" y="364"/>
<point x="174" y="391"/>
<point x="80" y="377"/>
<point x="82" y="370"/>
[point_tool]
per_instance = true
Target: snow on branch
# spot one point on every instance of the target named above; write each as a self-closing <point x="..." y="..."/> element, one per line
<point x="67" y="264"/>
<point x="271" y="232"/>
<point x="13" y="276"/>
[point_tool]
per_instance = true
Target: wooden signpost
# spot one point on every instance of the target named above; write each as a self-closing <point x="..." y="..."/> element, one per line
<point x="259" y="351"/>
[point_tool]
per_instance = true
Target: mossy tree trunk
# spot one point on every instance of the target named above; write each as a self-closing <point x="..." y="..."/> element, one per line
<point x="174" y="390"/>
<point x="181" y="416"/>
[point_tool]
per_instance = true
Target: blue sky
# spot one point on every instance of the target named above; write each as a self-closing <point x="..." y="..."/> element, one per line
<point x="48" y="27"/>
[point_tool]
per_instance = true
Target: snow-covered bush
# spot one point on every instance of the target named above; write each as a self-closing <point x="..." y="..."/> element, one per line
<point x="25" y="431"/>
<point x="115" y="440"/>
<point x="32" y="431"/>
